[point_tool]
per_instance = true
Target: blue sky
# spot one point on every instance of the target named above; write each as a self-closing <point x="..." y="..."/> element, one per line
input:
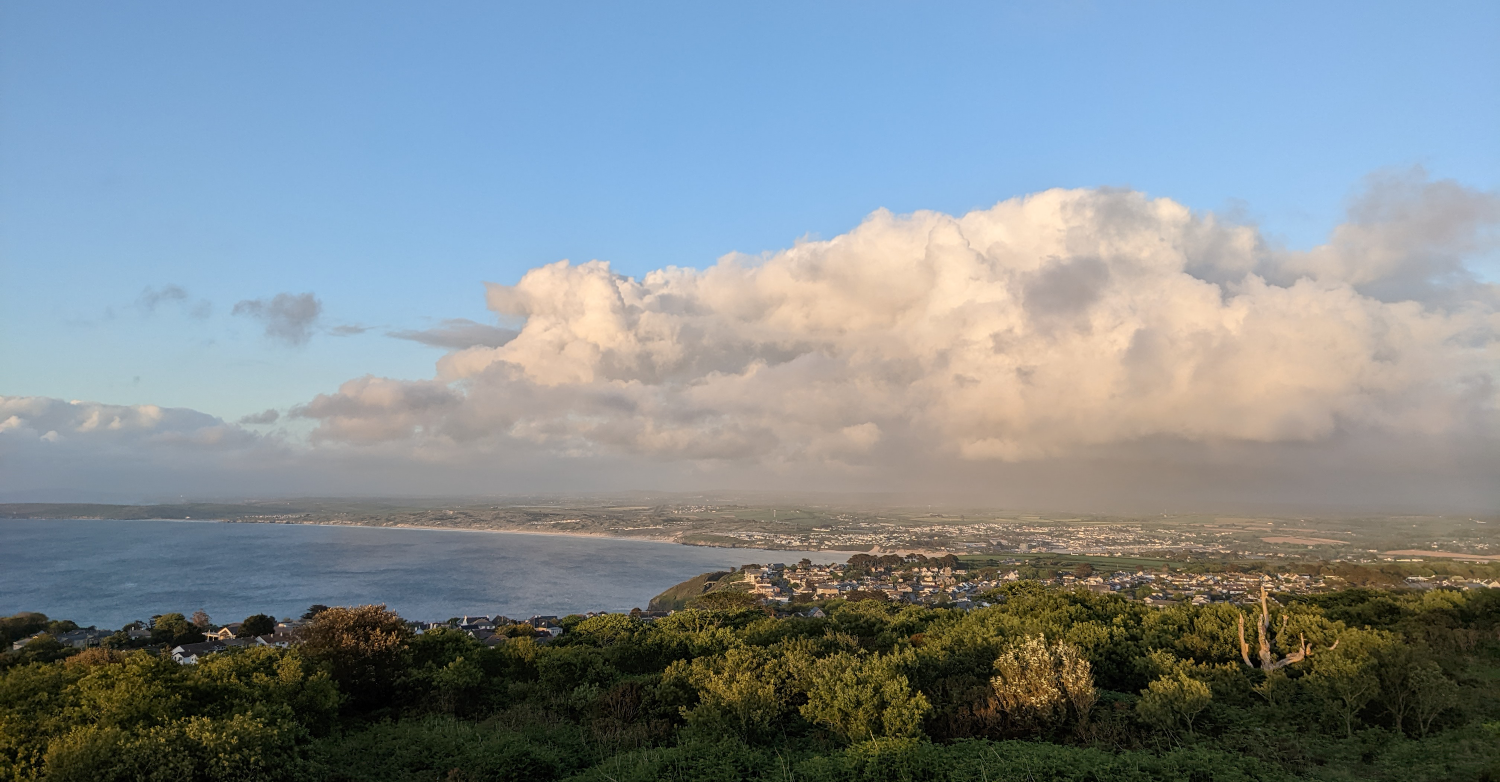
<point x="390" y="159"/>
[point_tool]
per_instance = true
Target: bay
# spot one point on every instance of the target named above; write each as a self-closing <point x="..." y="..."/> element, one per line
<point x="108" y="573"/>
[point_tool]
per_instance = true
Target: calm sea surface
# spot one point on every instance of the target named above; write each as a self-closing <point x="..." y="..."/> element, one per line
<point x="108" y="573"/>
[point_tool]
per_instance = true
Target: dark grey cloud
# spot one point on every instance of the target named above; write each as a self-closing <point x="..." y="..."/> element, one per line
<point x="153" y="298"/>
<point x="457" y="334"/>
<point x="266" y="417"/>
<point x="288" y="317"/>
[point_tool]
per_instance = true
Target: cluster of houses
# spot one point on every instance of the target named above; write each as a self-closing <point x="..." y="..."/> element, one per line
<point x="779" y="583"/>
<point x="930" y="584"/>
<point x="229" y="637"/>
<point x="496" y="630"/>
<point x="218" y="639"/>
<point x="82" y="638"/>
<point x="1451" y="582"/>
<point x="189" y="654"/>
<point x="488" y="630"/>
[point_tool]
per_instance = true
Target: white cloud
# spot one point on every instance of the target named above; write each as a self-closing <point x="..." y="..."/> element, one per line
<point x="126" y="428"/>
<point x="1040" y="328"/>
<point x="1070" y="348"/>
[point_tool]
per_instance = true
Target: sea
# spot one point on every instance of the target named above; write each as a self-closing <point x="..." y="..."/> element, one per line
<point x="108" y="573"/>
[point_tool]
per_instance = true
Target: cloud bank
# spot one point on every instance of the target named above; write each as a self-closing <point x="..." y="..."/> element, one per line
<point x="1041" y="328"/>
<point x="1068" y="348"/>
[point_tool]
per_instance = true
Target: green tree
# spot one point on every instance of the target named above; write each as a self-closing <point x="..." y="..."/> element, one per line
<point x="865" y="697"/>
<point x="14" y="628"/>
<point x="365" y="649"/>
<point x="174" y="630"/>
<point x="1174" y="701"/>
<point x="257" y="625"/>
<point x="1432" y="694"/>
<point x="1344" y="680"/>
<point x="724" y="600"/>
<point x="42" y="649"/>
<point x="746" y="691"/>
<point x="1396" y="667"/>
<point x="457" y="683"/>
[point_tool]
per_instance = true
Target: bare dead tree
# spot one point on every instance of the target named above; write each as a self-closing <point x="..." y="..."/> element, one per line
<point x="1268" y="662"/>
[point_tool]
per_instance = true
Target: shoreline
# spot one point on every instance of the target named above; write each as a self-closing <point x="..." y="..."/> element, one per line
<point x="422" y="528"/>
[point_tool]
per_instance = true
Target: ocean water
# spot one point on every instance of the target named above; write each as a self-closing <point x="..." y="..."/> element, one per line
<point x="109" y="573"/>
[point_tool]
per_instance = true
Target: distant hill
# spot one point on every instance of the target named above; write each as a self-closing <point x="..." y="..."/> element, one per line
<point x="72" y="510"/>
<point x="676" y="597"/>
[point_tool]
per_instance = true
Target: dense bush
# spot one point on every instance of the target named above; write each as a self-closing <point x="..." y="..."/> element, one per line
<point x="1044" y="685"/>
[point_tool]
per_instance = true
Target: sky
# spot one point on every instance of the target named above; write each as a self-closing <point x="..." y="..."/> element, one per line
<point x="1065" y="254"/>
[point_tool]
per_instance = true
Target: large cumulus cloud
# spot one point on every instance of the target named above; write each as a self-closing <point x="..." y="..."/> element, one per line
<point x="1068" y="349"/>
<point x="1060" y="324"/>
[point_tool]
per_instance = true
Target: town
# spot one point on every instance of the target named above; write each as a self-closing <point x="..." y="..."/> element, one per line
<point x="187" y="640"/>
<point x="943" y="581"/>
<point x="804" y="588"/>
<point x="816" y="524"/>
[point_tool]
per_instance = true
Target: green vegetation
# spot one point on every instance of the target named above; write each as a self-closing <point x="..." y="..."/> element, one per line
<point x="257" y="624"/>
<point x="678" y="596"/>
<point x="1048" y="684"/>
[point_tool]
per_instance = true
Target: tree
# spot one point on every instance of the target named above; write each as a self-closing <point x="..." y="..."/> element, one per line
<point x="1035" y="683"/>
<point x="256" y="625"/>
<point x="1346" y="683"/>
<point x="1396" y="667"/>
<point x="98" y="655"/>
<point x="14" y="628"/>
<point x="455" y="683"/>
<point x="312" y="611"/>
<point x="1432" y="694"/>
<point x="862" y="698"/>
<point x="745" y="691"/>
<point x="365" y="648"/>
<point x="1268" y="662"/>
<point x="174" y="630"/>
<point x="1084" y="570"/>
<point x="42" y="649"/>
<point x="1174" y="700"/>
<point x="1076" y="675"/>
<point x="724" y="600"/>
<point x="201" y="620"/>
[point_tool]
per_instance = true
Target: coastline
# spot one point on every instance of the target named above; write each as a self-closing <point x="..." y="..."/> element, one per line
<point x="424" y="528"/>
<point x="106" y="573"/>
<point x="546" y="533"/>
